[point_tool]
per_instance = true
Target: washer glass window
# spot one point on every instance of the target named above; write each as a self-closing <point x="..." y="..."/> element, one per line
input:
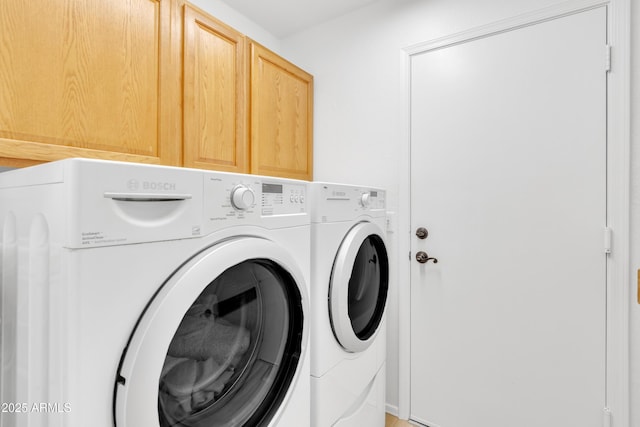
<point x="236" y="351"/>
<point x="368" y="286"/>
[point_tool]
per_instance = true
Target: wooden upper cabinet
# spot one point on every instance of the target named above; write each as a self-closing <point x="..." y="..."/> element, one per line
<point x="152" y="81"/>
<point x="89" y="78"/>
<point x="215" y="82"/>
<point x="281" y="123"/>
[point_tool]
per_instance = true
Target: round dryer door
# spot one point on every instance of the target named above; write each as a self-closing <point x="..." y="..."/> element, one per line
<point x="219" y="344"/>
<point x="358" y="289"/>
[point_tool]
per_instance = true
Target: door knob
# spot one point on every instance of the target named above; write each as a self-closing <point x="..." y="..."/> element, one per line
<point x="423" y="258"/>
<point x="422" y="233"/>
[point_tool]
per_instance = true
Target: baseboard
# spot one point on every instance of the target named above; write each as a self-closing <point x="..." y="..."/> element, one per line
<point x="391" y="409"/>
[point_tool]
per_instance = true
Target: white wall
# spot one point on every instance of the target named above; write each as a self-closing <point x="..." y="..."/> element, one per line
<point x="357" y="62"/>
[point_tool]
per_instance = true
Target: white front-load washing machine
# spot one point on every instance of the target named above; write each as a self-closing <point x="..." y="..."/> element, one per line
<point x="349" y="283"/>
<point x="150" y="296"/>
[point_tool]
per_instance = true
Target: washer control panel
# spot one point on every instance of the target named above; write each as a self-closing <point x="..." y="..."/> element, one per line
<point x="236" y="199"/>
<point x="283" y="199"/>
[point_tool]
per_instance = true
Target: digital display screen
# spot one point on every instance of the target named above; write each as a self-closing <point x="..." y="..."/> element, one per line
<point x="374" y="194"/>
<point x="272" y="188"/>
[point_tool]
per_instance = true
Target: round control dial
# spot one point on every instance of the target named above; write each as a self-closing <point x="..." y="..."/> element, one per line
<point x="242" y="197"/>
<point x="365" y="199"/>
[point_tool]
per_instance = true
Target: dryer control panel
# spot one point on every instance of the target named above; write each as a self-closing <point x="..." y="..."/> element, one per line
<point x="340" y="202"/>
<point x="372" y="199"/>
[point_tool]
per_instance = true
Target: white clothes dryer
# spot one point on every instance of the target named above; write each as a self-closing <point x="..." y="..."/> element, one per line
<point x="151" y="296"/>
<point x="349" y="283"/>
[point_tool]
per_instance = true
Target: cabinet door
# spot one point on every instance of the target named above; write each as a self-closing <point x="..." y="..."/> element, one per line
<point x="281" y="116"/>
<point x="215" y="107"/>
<point x="88" y="78"/>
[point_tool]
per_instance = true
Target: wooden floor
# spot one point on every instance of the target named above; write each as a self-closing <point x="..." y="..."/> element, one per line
<point x="392" y="421"/>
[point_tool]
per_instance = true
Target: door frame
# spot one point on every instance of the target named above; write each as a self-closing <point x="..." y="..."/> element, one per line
<point x="618" y="193"/>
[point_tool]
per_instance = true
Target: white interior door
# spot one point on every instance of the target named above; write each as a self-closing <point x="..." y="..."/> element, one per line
<point x="508" y="175"/>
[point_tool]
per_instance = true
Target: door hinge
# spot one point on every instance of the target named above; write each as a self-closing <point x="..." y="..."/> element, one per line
<point x="606" y="417"/>
<point x="607" y="240"/>
<point x="607" y="58"/>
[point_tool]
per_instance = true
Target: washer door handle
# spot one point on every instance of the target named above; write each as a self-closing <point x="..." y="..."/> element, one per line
<point x="147" y="197"/>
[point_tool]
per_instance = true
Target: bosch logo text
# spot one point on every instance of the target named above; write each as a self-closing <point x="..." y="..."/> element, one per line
<point x="162" y="186"/>
<point x="135" y="185"/>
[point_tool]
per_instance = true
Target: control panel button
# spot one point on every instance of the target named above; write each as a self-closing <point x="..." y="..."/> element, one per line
<point x="242" y="197"/>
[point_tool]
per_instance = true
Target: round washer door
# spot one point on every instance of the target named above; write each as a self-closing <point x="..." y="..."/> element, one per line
<point x="220" y="343"/>
<point x="358" y="288"/>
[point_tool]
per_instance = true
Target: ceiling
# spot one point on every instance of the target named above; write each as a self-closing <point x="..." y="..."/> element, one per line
<point x="283" y="18"/>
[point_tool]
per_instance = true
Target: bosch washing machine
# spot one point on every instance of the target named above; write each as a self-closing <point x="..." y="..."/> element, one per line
<point x="349" y="283"/>
<point x="151" y="296"/>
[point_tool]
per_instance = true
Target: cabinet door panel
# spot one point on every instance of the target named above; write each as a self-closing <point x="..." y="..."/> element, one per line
<point x="84" y="77"/>
<point x="281" y="116"/>
<point x="215" y="81"/>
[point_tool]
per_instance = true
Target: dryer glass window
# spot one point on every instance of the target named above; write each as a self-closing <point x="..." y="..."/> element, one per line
<point x="368" y="287"/>
<point x="235" y="353"/>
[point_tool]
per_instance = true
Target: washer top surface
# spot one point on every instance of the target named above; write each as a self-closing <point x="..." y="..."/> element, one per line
<point x="105" y="203"/>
